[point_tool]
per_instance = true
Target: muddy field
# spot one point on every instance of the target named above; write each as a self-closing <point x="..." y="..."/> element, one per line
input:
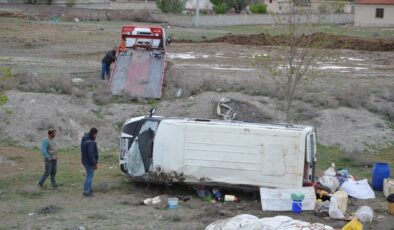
<point x="53" y="80"/>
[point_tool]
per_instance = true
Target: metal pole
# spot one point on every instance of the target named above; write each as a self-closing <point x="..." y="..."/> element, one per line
<point x="197" y="19"/>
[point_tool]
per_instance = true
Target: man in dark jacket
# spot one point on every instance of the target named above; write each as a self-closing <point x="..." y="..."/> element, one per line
<point x="89" y="156"/>
<point x="106" y="62"/>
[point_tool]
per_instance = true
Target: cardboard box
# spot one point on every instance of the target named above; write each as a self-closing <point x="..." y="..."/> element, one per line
<point x="388" y="186"/>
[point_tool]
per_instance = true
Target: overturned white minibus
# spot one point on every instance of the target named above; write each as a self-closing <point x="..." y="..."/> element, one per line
<point x="214" y="152"/>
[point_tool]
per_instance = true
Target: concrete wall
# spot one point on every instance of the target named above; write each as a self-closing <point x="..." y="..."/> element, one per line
<point x="204" y="4"/>
<point x="364" y="15"/>
<point x="100" y="4"/>
<point x="248" y="19"/>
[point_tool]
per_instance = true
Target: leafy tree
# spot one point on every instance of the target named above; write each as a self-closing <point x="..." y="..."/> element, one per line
<point x="294" y="63"/>
<point x="171" y="6"/>
<point x="238" y="5"/>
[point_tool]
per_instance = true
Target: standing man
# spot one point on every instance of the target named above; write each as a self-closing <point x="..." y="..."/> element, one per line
<point x="89" y="156"/>
<point x="49" y="153"/>
<point x="106" y="62"/>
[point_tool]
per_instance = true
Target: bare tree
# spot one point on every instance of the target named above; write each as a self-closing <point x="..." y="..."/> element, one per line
<point x="298" y="54"/>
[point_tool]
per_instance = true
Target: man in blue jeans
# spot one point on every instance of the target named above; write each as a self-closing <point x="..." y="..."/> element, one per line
<point x="89" y="156"/>
<point x="49" y="153"/>
<point x="106" y="62"/>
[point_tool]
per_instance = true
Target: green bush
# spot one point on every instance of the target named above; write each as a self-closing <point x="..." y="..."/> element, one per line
<point x="221" y="8"/>
<point x="258" y="8"/>
<point x="171" y="6"/>
<point x="237" y="5"/>
<point x="3" y="99"/>
<point x="70" y="3"/>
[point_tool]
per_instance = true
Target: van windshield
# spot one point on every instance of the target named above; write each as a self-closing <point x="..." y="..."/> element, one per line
<point x="140" y="155"/>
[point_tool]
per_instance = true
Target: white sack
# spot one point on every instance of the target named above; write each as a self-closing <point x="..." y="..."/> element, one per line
<point x="358" y="189"/>
<point x="250" y="222"/>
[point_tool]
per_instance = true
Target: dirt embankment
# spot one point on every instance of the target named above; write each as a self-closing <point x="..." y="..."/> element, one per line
<point x="43" y="12"/>
<point x="320" y="40"/>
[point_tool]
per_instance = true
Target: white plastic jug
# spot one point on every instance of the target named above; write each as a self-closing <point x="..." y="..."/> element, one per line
<point x="342" y="199"/>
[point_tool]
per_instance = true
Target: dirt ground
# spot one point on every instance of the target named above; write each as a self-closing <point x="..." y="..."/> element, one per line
<point x="51" y="79"/>
<point x="329" y="41"/>
<point x="116" y="204"/>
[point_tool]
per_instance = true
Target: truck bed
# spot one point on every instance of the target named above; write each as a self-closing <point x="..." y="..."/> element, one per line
<point x="138" y="73"/>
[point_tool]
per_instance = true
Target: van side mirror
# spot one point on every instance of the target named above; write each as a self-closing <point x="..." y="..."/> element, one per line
<point x="151" y="112"/>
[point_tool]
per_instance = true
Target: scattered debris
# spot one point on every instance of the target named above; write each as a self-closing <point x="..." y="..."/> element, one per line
<point x="184" y="198"/>
<point x="51" y="209"/>
<point x="178" y="93"/>
<point x="358" y="189"/>
<point x="230" y="198"/>
<point x="228" y="113"/>
<point x="353" y="225"/>
<point x="388" y="186"/>
<point x="390" y="204"/>
<point x="333" y="211"/>
<point x="152" y="201"/>
<point x="172" y="202"/>
<point x="365" y="214"/>
<point x="280" y="199"/>
<point x="77" y="81"/>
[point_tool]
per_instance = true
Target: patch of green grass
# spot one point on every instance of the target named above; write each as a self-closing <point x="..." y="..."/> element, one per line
<point x="359" y="164"/>
<point x="99" y="113"/>
<point x="153" y="103"/>
<point x="391" y="125"/>
<point x="3" y="98"/>
<point x="5" y="73"/>
<point x="119" y="124"/>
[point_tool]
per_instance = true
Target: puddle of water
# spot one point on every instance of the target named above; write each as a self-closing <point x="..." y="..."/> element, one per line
<point x="335" y="67"/>
<point x="355" y="59"/>
<point x="180" y="56"/>
<point x="186" y="56"/>
<point x="215" y="67"/>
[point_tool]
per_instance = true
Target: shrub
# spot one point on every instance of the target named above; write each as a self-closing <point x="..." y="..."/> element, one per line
<point x="258" y="8"/>
<point x="171" y="6"/>
<point x="3" y="99"/>
<point x="70" y="3"/>
<point x="31" y="2"/>
<point x="221" y="8"/>
<point x="238" y="5"/>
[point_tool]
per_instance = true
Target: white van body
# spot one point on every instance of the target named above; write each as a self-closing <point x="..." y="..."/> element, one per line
<point x="215" y="152"/>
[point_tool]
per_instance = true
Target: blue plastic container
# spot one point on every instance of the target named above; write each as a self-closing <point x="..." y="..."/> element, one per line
<point x="173" y="203"/>
<point x="380" y="171"/>
<point x="297" y="206"/>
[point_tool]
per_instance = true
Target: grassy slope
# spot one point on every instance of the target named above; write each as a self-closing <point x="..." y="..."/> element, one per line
<point x="359" y="164"/>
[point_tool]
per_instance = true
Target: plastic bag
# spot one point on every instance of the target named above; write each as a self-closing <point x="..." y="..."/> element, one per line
<point x="334" y="212"/>
<point x="365" y="214"/>
<point x="358" y="189"/>
<point x="330" y="182"/>
<point x="330" y="171"/>
<point x="152" y="201"/>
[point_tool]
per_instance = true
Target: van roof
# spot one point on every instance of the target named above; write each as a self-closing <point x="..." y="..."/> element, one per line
<point x="280" y="126"/>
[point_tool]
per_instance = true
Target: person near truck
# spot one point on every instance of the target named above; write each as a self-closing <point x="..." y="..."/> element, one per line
<point x="106" y="62"/>
<point x="49" y="153"/>
<point x="89" y="157"/>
